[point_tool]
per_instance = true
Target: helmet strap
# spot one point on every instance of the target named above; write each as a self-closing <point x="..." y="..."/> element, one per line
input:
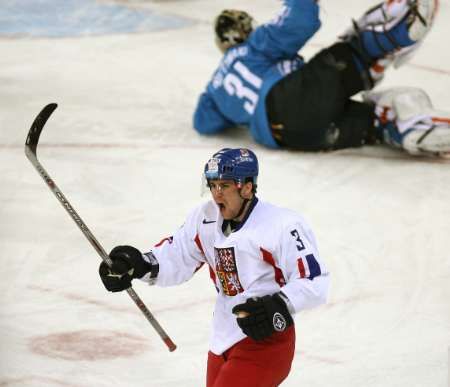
<point x="244" y="204"/>
<point x="241" y="211"/>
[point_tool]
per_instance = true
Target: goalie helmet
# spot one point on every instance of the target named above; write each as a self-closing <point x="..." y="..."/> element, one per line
<point x="232" y="27"/>
<point x="240" y="165"/>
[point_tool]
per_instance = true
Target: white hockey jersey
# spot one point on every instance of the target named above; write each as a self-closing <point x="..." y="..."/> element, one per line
<point x="274" y="249"/>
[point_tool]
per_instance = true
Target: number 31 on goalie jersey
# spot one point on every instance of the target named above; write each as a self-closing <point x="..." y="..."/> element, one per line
<point x="233" y="85"/>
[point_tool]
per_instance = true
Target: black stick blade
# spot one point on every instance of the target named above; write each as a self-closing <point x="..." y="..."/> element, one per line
<point x="37" y="126"/>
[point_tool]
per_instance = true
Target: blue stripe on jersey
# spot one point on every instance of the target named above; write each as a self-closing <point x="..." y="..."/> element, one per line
<point x="314" y="267"/>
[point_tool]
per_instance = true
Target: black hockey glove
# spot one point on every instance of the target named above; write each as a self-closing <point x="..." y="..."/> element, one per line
<point x="263" y="316"/>
<point x="128" y="264"/>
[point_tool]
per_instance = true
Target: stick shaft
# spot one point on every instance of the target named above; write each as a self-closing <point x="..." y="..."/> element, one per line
<point x="30" y="151"/>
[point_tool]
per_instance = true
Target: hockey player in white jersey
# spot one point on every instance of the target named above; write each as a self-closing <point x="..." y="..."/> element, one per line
<point x="263" y="262"/>
<point x="262" y="83"/>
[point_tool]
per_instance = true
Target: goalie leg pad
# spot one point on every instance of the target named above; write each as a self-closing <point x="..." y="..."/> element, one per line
<point x="390" y="33"/>
<point x="432" y="139"/>
<point x="415" y="16"/>
<point x="407" y="119"/>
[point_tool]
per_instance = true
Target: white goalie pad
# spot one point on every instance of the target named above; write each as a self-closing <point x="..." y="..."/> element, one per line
<point x="388" y="14"/>
<point x="420" y="128"/>
<point x="407" y="102"/>
<point x="419" y="15"/>
<point x="421" y="25"/>
<point x="427" y="138"/>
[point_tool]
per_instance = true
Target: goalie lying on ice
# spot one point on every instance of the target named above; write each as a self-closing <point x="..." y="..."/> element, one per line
<point x="261" y="83"/>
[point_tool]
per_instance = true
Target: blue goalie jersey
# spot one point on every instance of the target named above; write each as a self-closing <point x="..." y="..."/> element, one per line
<point x="236" y="93"/>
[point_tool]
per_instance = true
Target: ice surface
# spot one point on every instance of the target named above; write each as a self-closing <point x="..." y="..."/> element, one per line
<point x="121" y="148"/>
<point x="50" y="18"/>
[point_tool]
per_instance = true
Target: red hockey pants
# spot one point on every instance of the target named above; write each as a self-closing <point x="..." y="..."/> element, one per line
<point x="251" y="363"/>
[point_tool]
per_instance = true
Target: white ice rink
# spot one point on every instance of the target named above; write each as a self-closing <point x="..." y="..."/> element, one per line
<point x="121" y="147"/>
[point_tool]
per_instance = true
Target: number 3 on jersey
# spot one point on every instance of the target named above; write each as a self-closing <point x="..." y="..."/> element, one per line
<point x="235" y="86"/>
<point x="299" y="243"/>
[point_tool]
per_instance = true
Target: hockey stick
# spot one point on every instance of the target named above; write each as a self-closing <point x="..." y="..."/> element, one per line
<point x="30" y="151"/>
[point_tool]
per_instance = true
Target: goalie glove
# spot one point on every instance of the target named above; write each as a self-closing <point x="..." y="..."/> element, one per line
<point x="128" y="263"/>
<point x="260" y="317"/>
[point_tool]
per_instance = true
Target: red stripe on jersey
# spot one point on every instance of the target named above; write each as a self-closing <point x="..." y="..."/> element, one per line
<point x="301" y="268"/>
<point x="199" y="244"/>
<point x="168" y="239"/>
<point x="212" y="274"/>
<point x="268" y="257"/>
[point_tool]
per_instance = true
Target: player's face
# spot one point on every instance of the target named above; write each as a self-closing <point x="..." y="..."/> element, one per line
<point x="228" y="196"/>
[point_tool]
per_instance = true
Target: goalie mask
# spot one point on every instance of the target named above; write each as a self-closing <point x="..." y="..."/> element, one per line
<point x="232" y="27"/>
<point x="240" y="165"/>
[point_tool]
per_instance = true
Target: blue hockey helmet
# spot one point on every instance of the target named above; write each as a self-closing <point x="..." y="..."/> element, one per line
<point x="240" y="165"/>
